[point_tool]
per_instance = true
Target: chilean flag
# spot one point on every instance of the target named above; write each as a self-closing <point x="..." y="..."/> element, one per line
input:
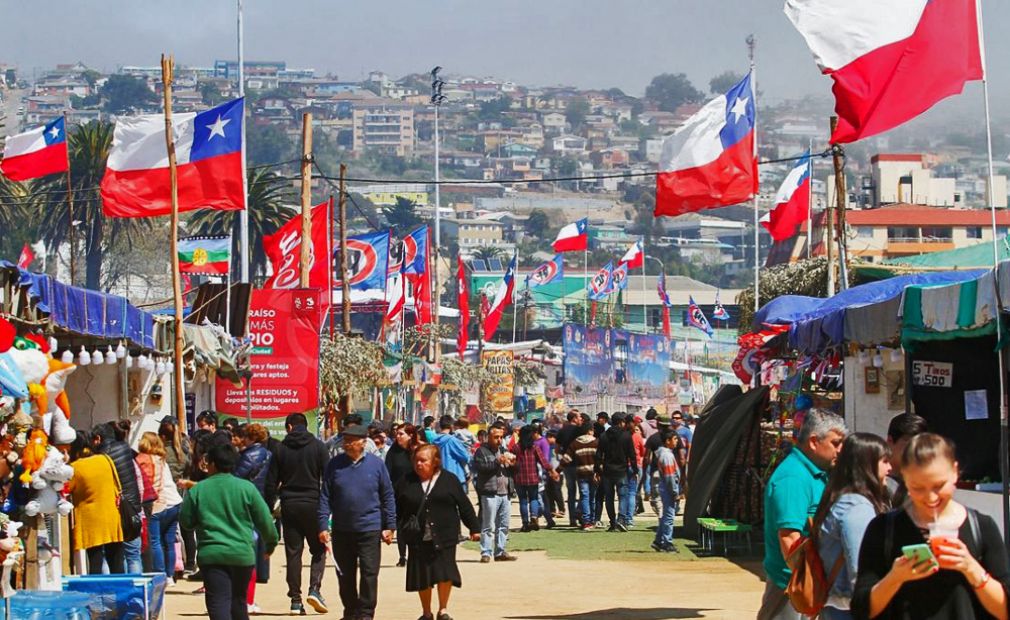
<point x="36" y="153"/>
<point x="890" y="61"/>
<point x="792" y="202"/>
<point x="502" y="299"/>
<point x="208" y="150"/>
<point x="710" y="162"/>
<point x="634" y="257"/>
<point x="573" y="237"/>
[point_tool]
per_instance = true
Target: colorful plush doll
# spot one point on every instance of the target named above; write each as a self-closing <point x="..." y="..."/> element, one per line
<point x="33" y="455"/>
<point x="49" y="481"/>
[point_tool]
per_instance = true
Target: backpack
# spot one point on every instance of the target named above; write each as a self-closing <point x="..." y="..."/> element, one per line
<point x="808" y="586"/>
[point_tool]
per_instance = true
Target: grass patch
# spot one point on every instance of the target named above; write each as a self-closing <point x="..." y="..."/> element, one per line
<point x="572" y="544"/>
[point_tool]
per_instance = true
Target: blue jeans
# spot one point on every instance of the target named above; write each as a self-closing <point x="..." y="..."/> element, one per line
<point x="627" y="499"/>
<point x="670" y="498"/>
<point x="611" y="489"/>
<point x="529" y="502"/>
<point x="587" y="501"/>
<point x="161" y="534"/>
<point x="830" y="613"/>
<point x="494" y="523"/>
<point x="647" y="480"/>
<point x="572" y="485"/>
<point x="133" y="564"/>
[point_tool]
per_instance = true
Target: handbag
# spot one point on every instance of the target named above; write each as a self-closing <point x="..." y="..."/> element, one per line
<point x="411" y="529"/>
<point x="132" y="522"/>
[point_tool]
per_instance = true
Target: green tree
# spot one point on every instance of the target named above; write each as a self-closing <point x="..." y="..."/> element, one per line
<point x="489" y="252"/>
<point x="671" y="90"/>
<point x="124" y="94"/>
<point x="17" y="217"/>
<point x="721" y="83"/>
<point x="537" y="223"/>
<point x="402" y="217"/>
<point x="576" y="112"/>
<point x="210" y="93"/>
<point x="568" y="167"/>
<point x="268" y="144"/>
<point x="266" y="198"/>
<point x="95" y="234"/>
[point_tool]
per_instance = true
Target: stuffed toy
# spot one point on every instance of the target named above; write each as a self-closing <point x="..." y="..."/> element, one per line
<point x="33" y="362"/>
<point x="57" y="417"/>
<point x="33" y="455"/>
<point x="49" y="481"/>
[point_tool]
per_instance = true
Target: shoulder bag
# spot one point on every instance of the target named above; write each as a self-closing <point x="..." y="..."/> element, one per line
<point x="133" y="523"/>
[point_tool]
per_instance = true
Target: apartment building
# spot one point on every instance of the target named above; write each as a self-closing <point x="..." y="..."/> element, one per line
<point x="384" y="127"/>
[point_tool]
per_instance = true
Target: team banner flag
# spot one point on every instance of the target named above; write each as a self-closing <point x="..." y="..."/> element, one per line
<point x="696" y="318"/>
<point x="36" y="153"/>
<point x="208" y="151"/>
<point x="890" y="61"/>
<point x="601" y="284"/>
<point x="283" y="249"/>
<point x="205" y="255"/>
<point x="719" y="313"/>
<point x="619" y="278"/>
<point x="367" y="261"/>
<point x="550" y="271"/>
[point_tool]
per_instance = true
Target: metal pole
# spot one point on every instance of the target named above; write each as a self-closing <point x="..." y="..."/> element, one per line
<point x="70" y="205"/>
<point x="306" y="242"/>
<point x="841" y="198"/>
<point x="830" y="231"/>
<point x="751" y="44"/>
<point x="436" y="100"/>
<point x="1004" y="438"/>
<point x="344" y="408"/>
<point x="243" y="215"/>
<point x="515" y="306"/>
<point x="645" y="304"/>
<point x="167" y="70"/>
<point x="810" y="200"/>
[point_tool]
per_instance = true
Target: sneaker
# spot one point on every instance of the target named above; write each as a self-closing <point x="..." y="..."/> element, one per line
<point x="195" y="576"/>
<point x="599" y="524"/>
<point x="613" y="528"/>
<point x="525" y="528"/>
<point x="297" y="609"/>
<point x="657" y="547"/>
<point x="485" y="559"/>
<point x="315" y="601"/>
<point x="534" y="526"/>
<point x="620" y="526"/>
<point x="254" y="609"/>
<point x="505" y="557"/>
<point x="587" y="526"/>
<point x="670" y="548"/>
<point x="169" y="582"/>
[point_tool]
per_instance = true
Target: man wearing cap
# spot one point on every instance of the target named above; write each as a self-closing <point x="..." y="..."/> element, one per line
<point x="357" y="493"/>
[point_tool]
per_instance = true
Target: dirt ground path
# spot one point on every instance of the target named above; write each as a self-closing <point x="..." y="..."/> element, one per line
<point x="536" y="587"/>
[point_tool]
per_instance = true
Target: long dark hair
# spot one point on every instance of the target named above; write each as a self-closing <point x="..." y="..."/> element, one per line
<point x="856" y="472"/>
<point x="526" y="437"/>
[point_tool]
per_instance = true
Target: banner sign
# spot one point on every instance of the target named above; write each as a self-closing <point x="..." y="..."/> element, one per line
<point x="932" y="374"/>
<point x="648" y="365"/>
<point x="498" y="395"/>
<point x="284" y="326"/>
<point x="589" y="363"/>
<point x="634" y="368"/>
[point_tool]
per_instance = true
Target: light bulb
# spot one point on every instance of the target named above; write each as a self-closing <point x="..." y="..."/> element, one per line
<point x="160" y="367"/>
<point x="169" y="367"/>
<point x="878" y="360"/>
<point x="53" y="345"/>
<point x="864" y="357"/>
<point x="130" y="361"/>
<point x="97" y="357"/>
<point x="120" y="351"/>
<point x="110" y="356"/>
<point x="896" y="355"/>
<point x="84" y="358"/>
<point x="67" y="357"/>
<point x="142" y="362"/>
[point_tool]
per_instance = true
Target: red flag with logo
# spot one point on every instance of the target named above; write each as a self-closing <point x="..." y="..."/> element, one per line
<point x="464" y="309"/>
<point x="283" y="248"/>
<point x="26" y="258"/>
<point x="421" y="283"/>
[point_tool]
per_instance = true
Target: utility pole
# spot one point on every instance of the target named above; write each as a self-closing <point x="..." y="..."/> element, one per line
<point x="437" y="98"/>
<point x="70" y="205"/>
<point x="345" y="285"/>
<point x="306" y="244"/>
<point x="243" y="215"/>
<point x="830" y="217"/>
<point x="841" y="200"/>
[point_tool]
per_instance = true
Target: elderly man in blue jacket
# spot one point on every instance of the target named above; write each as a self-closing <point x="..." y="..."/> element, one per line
<point x="357" y="493"/>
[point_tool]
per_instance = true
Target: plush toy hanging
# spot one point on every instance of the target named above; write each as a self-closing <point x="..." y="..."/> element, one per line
<point x="33" y="455"/>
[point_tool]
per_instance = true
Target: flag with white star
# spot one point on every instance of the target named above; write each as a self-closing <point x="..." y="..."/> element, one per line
<point x="36" y="153"/>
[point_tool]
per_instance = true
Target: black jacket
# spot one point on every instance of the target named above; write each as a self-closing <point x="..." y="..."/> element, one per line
<point x="447" y="505"/>
<point x="254" y="465"/>
<point x="398" y="463"/>
<point x="567" y="435"/>
<point x="616" y="453"/>
<point x="301" y="459"/>
<point x="122" y="456"/>
<point x="270" y="486"/>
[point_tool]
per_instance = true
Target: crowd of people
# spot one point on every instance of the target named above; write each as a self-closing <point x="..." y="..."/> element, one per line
<point x="211" y="507"/>
<point x="881" y="514"/>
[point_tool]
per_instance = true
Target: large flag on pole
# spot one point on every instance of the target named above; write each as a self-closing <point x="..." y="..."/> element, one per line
<point x="417" y="272"/>
<point x="634" y="257"/>
<point x="619" y="278"/>
<point x="890" y="61"/>
<point x="710" y="162"/>
<point x="719" y="313"/>
<point x="367" y="262"/>
<point x="664" y="299"/>
<point x="464" y="308"/>
<point x="601" y="284"/>
<point x="696" y="318"/>
<point x="573" y="238"/>
<point x="792" y="202"/>
<point x="502" y="299"/>
<point x="26" y="258"/>
<point x="205" y="255"/>
<point x="283" y="247"/>
<point x="38" y="152"/>
<point x="546" y="273"/>
<point x="208" y="148"/>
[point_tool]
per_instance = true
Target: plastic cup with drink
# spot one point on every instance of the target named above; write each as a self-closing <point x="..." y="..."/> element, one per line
<point x="940" y="535"/>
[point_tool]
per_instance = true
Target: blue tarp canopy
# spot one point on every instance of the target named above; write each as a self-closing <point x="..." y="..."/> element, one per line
<point x="88" y="312"/>
<point x="822" y="324"/>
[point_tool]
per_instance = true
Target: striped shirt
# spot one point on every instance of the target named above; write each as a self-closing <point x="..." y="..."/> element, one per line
<point x="669" y="473"/>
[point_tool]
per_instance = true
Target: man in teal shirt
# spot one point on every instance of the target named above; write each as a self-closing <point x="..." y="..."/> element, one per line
<point x="791" y="498"/>
<point x="225" y="511"/>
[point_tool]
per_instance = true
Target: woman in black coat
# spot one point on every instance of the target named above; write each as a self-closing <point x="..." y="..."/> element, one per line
<point x="439" y="502"/>
<point x="399" y="464"/>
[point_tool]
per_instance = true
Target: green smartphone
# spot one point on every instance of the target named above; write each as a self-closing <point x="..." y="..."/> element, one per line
<point x="918" y="553"/>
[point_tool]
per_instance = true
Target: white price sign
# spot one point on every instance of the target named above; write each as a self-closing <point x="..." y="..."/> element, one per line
<point x="932" y="374"/>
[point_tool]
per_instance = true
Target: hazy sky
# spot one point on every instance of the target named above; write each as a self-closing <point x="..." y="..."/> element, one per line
<point x="586" y="43"/>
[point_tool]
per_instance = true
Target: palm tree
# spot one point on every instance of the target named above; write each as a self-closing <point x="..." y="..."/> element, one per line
<point x="486" y="253"/>
<point x="16" y="216"/>
<point x="267" y="193"/>
<point x="89" y="149"/>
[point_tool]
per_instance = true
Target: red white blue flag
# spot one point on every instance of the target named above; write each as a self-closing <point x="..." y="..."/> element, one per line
<point x="600" y="284"/>
<point x="546" y="273"/>
<point x="710" y="162"/>
<point x="619" y="278"/>
<point x="502" y="299"/>
<point x="696" y="318"/>
<point x="573" y="237"/>
<point x="719" y="313"/>
<point x="890" y="61"/>
<point x="36" y="153"/>
<point x="792" y="202"/>
<point x="367" y="261"/>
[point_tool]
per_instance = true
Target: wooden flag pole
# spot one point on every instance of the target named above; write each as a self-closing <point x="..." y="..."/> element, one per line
<point x="841" y="198"/>
<point x="345" y="285"/>
<point x="306" y="244"/>
<point x="167" y="75"/>
<point x="70" y="205"/>
<point x="329" y="263"/>
<point x="830" y="240"/>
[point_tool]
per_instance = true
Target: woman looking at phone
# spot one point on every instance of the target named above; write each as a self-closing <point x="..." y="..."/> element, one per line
<point x="856" y="493"/>
<point x="963" y="574"/>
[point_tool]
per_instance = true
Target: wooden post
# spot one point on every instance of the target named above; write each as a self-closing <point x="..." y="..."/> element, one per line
<point x="306" y="245"/>
<point x="167" y="75"/>
<point x="829" y="241"/>
<point x="329" y="263"/>
<point x="841" y="200"/>
<point x="70" y="204"/>
<point x="345" y="285"/>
